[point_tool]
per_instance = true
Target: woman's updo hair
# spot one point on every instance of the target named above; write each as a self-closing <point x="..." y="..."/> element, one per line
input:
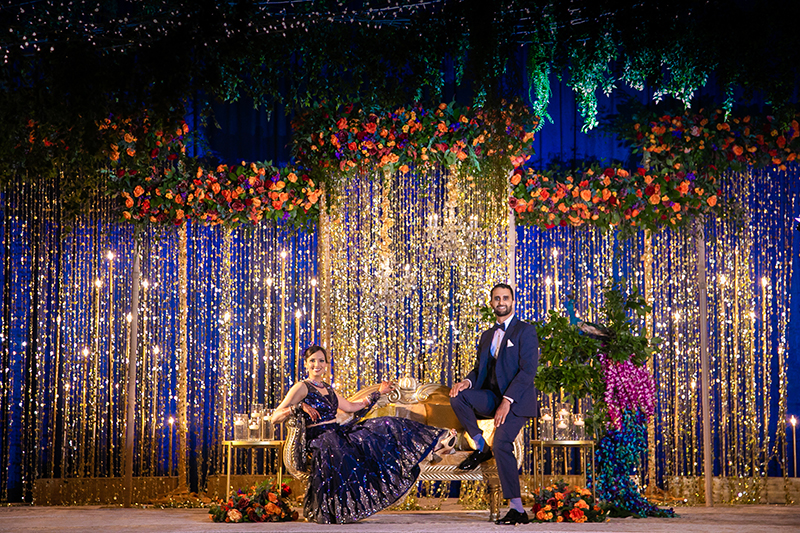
<point x="314" y="348"/>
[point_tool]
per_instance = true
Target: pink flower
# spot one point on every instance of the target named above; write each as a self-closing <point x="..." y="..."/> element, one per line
<point x="234" y="515"/>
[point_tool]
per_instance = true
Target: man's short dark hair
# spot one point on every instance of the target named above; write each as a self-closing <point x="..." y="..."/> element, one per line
<point x="502" y="286"/>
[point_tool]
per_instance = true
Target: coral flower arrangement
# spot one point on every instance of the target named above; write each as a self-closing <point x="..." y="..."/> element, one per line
<point x="223" y="195"/>
<point x="611" y="198"/>
<point x="340" y="139"/>
<point x="565" y="503"/>
<point x="262" y="503"/>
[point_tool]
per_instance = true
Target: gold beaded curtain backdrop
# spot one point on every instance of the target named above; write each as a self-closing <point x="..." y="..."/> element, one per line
<point x="412" y="257"/>
<point x="66" y="303"/>
<point x="749" y="269"/>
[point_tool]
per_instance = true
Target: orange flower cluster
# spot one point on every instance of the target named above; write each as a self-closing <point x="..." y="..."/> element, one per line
<point x="248" y="193"/>
<point x="342" y="139"/>
<point x="711" y="141"/>
<point x="611" y="197"/>
<point x="564" y="503"/>
<point x="135" y="144"/>
<point x="261" y="503"/>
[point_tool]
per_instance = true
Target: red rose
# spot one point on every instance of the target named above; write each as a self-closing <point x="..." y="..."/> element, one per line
<point x="609" y="172"/>
<point x="154" y="152"/>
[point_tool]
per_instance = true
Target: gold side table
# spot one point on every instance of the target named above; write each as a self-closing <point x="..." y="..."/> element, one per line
<point x="231" y="444"/>
<point x="585" y="447"/>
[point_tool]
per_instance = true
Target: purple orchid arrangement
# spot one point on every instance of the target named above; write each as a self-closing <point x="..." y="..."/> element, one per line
<point x="628" y="387"/>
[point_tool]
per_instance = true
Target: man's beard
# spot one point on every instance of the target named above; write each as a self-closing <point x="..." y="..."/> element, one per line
<point x="507" y="311"/>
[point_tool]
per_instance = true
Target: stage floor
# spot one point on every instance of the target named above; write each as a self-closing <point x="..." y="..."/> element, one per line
<point x="720" y="519"/>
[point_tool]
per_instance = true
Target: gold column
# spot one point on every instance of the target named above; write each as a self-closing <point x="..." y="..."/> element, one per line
<point x="647" y="260"/>
<point x="183" y="354"/>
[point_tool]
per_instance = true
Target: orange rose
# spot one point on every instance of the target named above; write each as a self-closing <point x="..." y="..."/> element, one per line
<point x="138" y="191"/>
<point x="712" y="200"/>
<point x="129" y="202"/>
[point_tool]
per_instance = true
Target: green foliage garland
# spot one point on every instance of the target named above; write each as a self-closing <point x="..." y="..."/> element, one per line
<point x="568" y="358"/>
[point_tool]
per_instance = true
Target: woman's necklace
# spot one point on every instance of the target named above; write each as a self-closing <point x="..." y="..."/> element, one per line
<point x="317" y="384"/>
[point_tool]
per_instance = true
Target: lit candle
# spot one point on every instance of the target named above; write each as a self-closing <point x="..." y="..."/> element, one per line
<point x="284" y="253"/>
<point x="171" y="425"/>
<point x="556" y="283"/>
<point x="268" y="341"/>
<point x="297" y="344"/>
<point x="589" y="299"/>
<point x="794" y="442"/>
<point x="313" y="324"/>
<point x="547" y="283"/>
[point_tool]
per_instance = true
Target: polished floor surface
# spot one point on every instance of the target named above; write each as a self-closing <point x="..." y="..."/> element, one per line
<point x="723" y="519"/>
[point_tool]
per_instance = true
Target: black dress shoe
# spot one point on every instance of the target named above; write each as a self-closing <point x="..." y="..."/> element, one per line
<point x="513" y="518"/>
<point x="474" y="459"/>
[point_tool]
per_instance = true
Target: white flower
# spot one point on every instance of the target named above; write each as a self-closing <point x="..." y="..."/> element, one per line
<point x="234" y="515"/>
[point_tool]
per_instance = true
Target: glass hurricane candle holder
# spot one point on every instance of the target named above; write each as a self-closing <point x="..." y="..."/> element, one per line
<point x="545" y="423"/>
<point x="562" y="428"/>
<point x="267" y="428"/>
<point x="578" y="426"/>
<point x="239" y="426"/>
<point x="254" y="427"/>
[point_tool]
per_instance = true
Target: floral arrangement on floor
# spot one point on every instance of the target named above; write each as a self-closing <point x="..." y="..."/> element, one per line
<point x="564" y="503"/>
<point x="223" y="195"/>
<point x="340" y="139"/>
<point x="611" y="197"/>
<point x="262" y="503"/>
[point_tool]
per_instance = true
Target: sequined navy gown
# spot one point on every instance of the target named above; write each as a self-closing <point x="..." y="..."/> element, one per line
<point x="360" y="468"/>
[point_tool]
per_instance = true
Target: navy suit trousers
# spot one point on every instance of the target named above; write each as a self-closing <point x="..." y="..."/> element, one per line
<point x="469" y="405"/>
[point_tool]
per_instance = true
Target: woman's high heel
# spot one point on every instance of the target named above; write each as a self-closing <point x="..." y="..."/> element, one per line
<point x="444" y="447"/>
<point x="447" y="443"/>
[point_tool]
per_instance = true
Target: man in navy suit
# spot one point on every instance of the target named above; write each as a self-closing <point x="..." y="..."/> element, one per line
<point x="500" y="387"/>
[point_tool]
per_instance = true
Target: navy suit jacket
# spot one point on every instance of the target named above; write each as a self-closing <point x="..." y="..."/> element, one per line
<point x="517" y="361"/>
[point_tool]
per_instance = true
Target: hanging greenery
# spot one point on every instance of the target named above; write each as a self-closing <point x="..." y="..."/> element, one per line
<point x="67" y="68"/>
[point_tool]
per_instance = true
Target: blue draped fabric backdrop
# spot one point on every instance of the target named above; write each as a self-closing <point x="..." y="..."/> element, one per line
<point x="62" y="408"/>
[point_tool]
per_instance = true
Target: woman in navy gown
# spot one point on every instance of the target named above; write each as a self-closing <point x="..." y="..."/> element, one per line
<point x="357" y="469"/>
